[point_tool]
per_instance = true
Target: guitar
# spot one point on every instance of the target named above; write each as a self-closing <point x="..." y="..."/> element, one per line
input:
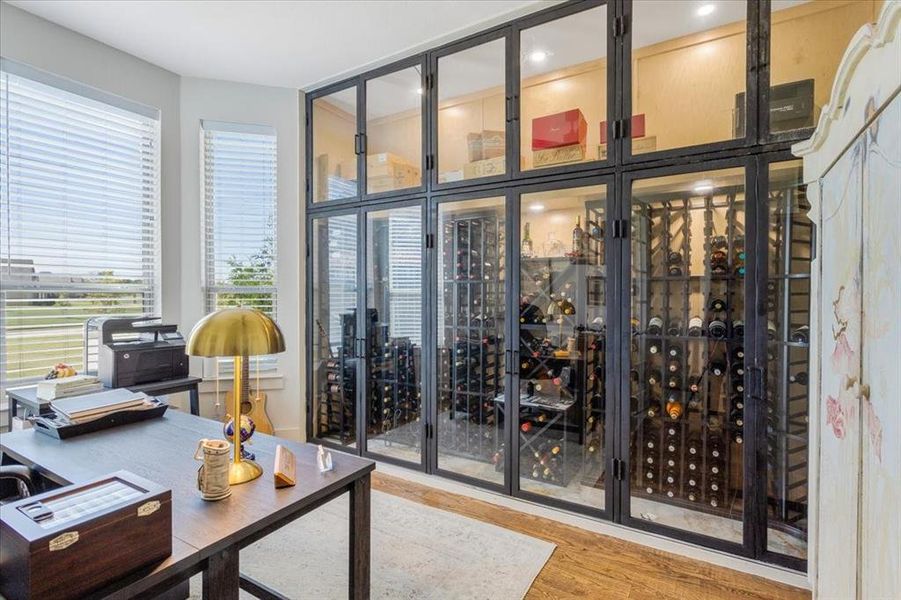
<point x="252" y="404"/>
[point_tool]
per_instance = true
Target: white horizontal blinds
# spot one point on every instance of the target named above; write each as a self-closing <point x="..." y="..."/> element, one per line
<point x="239" y="183"/>
<point x="79" y="234"/>
<point x="405" y="272"/>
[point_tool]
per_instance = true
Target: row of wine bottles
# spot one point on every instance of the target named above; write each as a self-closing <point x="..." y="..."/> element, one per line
<point x="715" y="328"/>
<point x="717" y="258"/>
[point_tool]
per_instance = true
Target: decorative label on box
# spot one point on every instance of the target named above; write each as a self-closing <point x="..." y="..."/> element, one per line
<point x="558" y="156"/>
<point x="484" y="168"/>
<point x="484" y="145"/>
<point x="639" y="146"/>
<point x="561" y="129"/>
<point x="636" y="128"/>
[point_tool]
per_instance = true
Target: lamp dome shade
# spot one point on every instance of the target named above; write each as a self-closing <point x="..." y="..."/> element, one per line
<point x="235" y="332"/>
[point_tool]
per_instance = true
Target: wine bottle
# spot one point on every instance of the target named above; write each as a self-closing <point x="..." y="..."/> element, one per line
<point x="694" y="384"/>
<point x="528" y="249"/>
<point x="674" y="408"/>
<point x="717" y="329"/>
<point x="717" y="368"/>
<point x="693" y="446"/>
<point x="675" y="351"/>
<point x="654" y="377"/>
<point x="738" y="369"/>
<point x="674" y="365"/>
<point x="717" y="304"/>
<point x="674" y="270"/>
<point x="649" y="481"/>
<point x="738" y="353"/>
<point x="674" y="381"/>
<point x="719" y="242"/>
<point x="655" y="326"/>
<point x="800" y="378"/>
<point x="674" y="327"/>
<point x="801" y="335"/>
<point x="578" y="238"/>
<point x="653" y="348"/>
<point x="738" y="384"/>
<point x="696" y="326"/>
<point x="653" y="407"/>
<point x="770" y="330"/>
<point x="738" y="329"/>
<point x="674" y="258"/>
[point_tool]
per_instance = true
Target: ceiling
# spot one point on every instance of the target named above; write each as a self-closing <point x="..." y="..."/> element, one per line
<point x="294" y="44"/>
<point x="300" y="44"/>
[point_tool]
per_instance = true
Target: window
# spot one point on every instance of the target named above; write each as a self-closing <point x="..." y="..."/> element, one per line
<point x="79" y="232"/>
<point x="239" y="190"/>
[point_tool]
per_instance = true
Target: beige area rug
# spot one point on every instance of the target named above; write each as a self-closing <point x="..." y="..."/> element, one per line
<point x="417" y="552"/>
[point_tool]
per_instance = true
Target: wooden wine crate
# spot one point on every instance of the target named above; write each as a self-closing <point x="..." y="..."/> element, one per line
<point x="485" y="168"/>
<point x="558" y="156"/>
<point x="639" y="146"/>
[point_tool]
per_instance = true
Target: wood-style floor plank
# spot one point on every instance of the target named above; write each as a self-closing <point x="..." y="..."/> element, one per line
<point x="591" y="565"/>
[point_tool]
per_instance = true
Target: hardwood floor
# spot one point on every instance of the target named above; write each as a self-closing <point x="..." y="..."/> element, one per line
<point x="590" y="565"/>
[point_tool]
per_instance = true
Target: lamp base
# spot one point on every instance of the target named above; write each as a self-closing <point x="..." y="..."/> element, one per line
<point x="243" y="471"/>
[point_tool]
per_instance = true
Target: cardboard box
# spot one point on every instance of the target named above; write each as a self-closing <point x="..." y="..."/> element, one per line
<point x="486" y="144"/>
<point x="386" y="172"/>
<point x="484" y="168"/>
<point x="639" y="146"/>
<point x="558" y="156"/>
<point x="636" y="128"/>
<point x="560" y="129"/>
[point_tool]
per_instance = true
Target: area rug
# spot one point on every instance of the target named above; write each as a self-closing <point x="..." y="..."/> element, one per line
<point x="417" y="552"/>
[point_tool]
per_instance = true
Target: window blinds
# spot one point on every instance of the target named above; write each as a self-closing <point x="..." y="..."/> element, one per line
<point x="79" y="226"/>
<point x="239" y="188"/>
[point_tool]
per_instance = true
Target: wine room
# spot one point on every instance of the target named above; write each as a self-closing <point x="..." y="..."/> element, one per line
<point x="538" y="252"/>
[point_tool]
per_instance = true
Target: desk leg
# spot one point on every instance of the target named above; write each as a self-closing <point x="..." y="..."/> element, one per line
<point x="194" y="395"/>
<point x="11" y="411"/>
<point x="359" y="539"/>
<point x="221" y="578"/>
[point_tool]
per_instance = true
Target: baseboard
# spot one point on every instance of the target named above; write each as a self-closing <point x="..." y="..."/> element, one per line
<point x="771" y="572"/>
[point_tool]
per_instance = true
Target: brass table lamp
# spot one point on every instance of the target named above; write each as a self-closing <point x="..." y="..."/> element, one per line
<point x="239" y="333"/>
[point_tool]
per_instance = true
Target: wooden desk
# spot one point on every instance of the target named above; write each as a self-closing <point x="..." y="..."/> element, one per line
<point x="207" y="535"/>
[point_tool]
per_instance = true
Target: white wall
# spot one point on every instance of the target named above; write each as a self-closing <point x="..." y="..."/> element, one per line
<point x="183" y="102"/>
<point x="278" y="108"/>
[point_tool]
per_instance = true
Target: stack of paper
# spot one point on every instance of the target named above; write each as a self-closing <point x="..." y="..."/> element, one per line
<point x="93" y="406"/>
<point x="51" y="389"/>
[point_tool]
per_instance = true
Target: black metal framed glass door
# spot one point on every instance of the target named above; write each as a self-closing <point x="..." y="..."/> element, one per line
<point x="469" y="280"/>
<point x="684" y="383"/>
<point x="560" y="363"/>
<point x="394" y="333"/>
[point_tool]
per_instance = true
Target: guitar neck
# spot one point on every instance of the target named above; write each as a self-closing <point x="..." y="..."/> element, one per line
<point x="245" y="379"/>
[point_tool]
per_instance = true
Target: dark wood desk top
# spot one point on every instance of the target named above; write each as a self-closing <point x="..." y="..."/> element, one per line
<point x="162" y="450"/>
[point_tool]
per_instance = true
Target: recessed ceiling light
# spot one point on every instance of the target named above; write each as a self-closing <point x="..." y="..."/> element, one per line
<point x="538" y="56"/>
<point x="706" y="9"/>
<point x="702" y="187"/>
<point x="536" y="207"/>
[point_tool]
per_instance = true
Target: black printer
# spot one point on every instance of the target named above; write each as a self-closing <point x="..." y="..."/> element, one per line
<point x="134" y="351"/>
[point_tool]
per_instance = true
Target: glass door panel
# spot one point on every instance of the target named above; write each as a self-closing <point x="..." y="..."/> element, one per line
<point x="471" y="315"/>
<point x="563" y="97"/>
<point x="394" y="131"/>
<point x="688" y="73"/>
<point x="788" y="317"/>
<point x="472" y="113"/>
<point x="394" y="333"/>
<point x="335" y="345"/>
<point x="803" y="61"/>
<point x="334" y="156"/>
<point x="687" y="358"/>
<point x="562" y="344"/>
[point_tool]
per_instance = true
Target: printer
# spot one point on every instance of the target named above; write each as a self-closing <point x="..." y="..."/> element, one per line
<point x="135" y="351"/>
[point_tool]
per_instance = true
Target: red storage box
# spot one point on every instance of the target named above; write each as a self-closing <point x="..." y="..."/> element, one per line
<point x="636" y="128"/>
<point x="561" y="129"/>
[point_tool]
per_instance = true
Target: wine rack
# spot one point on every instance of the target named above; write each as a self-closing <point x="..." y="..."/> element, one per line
<point x="788" y="309"/>
<point x="336" y="417"/>
<point x="471" y="355"/>
<point x="394" y="391"/>
<point x="562" y="377"/>
<point x="687" y="399"/>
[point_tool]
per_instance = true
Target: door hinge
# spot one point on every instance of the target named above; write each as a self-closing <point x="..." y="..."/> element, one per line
<point x="619" y="26"/>
<point x="430" y="240"/>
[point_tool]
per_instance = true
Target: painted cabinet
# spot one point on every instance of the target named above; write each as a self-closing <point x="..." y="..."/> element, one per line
<point x="852" y="165"/>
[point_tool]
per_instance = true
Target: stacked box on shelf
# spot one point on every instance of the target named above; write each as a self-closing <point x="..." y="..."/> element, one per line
<point x="470" y="369"/>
